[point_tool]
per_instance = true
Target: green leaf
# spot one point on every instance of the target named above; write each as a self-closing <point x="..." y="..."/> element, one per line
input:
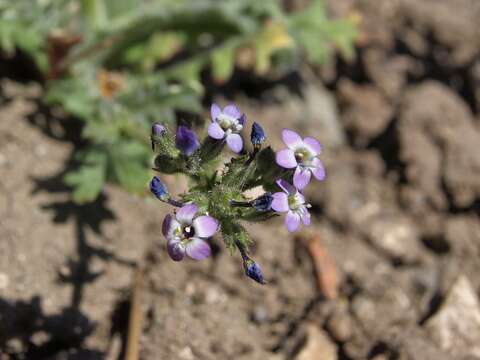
<point x="73" y="95"/>
<point x="95" y="11"/>
<point x="223" y="61"/>
<point x="88" y="180"/>
<point x="233" y="232"/>
<point x="316" y="33"/>
<point x="129" y="165"/>
<point x="253" y="215"/>
<point x="132" y="176"/>
<point x="239" y="172"/>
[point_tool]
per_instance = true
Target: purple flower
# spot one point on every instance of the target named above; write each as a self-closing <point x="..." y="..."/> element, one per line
<point x="158" y="129"/>
<point x="186" y="233"/>
<point x="226" y="124"/>
<point x="293" y="203"/>
<point x="301" y="155"/>
<point x="186" y="140"/>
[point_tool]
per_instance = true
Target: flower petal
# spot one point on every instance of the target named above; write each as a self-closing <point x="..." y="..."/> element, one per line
<point x="186" y="140"/>
<point x="242" y="119"/>
<point x="318" y="170"/>
<point x="286" y="158"/>
<point x="301" y="178"/>
<point x="215" y="111"/>
<point x="205" y="226"/>
<point x="292" y="221"/>
<point x="176" y="250"/>
<point x="313" y="145"/>
<point x="198" y="249"/>
<point x="232" y="110"/>
<point x="305" y="216"/>
<point x="186" y="213"/>
<point x="286" y="186"/>
<point x="235" y="142"/>
<point x="215" y="131"/>
<point x="169" y="226"/>
<point x="280" y="202"/>
<point x="291" y="139"/>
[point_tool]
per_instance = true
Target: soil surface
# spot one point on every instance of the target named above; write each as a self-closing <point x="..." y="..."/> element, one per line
<point x="398" y="217"/>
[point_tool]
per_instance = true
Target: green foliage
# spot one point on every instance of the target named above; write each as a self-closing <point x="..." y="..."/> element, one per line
<point x="120" y="65"/>
<point x="87" y="181"/>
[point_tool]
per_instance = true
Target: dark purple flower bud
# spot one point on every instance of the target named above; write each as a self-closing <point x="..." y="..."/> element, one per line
<point x="253" y="271"/>
<point x="257" y="136"/>
<point x="186" y="140"/>
<point x="263" y="202"/>
<point x="159" y="189"/>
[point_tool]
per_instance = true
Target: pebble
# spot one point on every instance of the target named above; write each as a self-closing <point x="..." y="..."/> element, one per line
<point x="186" y="353"/>
<point x="340" y="326"/>
<point x="4" y="281"/>
<point x="455" y="327"/>
<point x="318" y="346"/>
<point x="260" y="314"/>
<point x="3" y="160"/>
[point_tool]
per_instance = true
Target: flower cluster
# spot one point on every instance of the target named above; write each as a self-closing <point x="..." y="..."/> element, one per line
<point x="217" y="201"/>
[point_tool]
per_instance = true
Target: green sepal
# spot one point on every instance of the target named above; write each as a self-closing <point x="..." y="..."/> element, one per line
<point x="168" y="165"/>
<point x="252" y="215"/>
<point x="210" y="149"/>
<point x="234" y="233"/>
<point x="164" y="144"/>
<point x="240" y="171"/>
<point x="266" y="172"/>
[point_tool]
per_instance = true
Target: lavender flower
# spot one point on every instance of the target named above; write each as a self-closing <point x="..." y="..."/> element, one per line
<point x="301" y="155"/>
<point x="159" y="189"/>
<point x="186" y="140"/>
<point x="186" y="233"/>
<point x="158" y="129"/>
<point x="226" y="124"/>
<point x="293" y="203"/>
<point x="258" y="135"/>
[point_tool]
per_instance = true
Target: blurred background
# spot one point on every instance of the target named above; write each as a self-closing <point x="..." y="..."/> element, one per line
<point x="388" y="269"/>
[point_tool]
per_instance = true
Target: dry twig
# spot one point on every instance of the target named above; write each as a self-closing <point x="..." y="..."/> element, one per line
<point x="324" y="264"/>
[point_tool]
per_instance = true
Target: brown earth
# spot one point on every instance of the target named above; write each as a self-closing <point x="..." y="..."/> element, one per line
<point x="398" y="214"/>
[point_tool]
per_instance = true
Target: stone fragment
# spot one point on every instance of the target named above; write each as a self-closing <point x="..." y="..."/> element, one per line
<point x="455" y="327"/>
<point x="318" y="346"/>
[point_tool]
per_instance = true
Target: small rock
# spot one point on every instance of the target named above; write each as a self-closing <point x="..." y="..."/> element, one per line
<point x="40" y="150"/>
<point x="321" y="110"/>
<point x="186" y="353"/>
<point x="456" y="326"/>
<point x="4" y="281"/>
<point x="3" y="159"/>
<point x="318" y="346"/>
<point x="395" y="235"/>
<point x="15" y="346"/>
<point x="40" y="338"/>
<point x="260" y="314"/>
<point x="366" y="111"/>
<point x="340" y="325"/>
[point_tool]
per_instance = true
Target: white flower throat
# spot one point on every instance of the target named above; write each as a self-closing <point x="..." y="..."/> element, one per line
<point x="228" y="123"/>
<point x="303" y="156"/>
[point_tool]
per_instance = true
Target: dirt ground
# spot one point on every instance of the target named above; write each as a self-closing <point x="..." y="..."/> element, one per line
<point x="398" y="215"/>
